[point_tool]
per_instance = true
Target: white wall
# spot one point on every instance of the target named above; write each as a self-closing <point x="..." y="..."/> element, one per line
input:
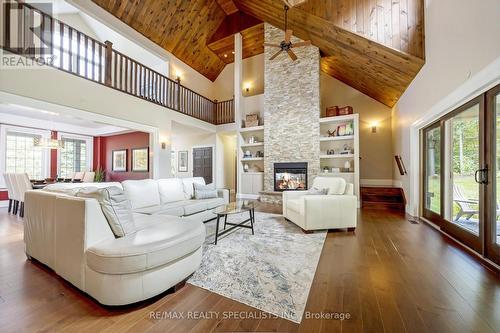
<point x="462" y="38"/>
<point x="375" y="148"/>
<point x="76" y="21"/>
<point x="187" y="143"/>
<point x="253" y="74"/>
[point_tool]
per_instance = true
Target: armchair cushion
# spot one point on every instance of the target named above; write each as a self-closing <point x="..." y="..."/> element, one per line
<point x="335" y="185"/>
<point x="317" y="191"/>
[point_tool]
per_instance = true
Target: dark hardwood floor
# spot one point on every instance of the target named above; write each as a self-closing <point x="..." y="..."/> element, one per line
<point x="390" y="276"/>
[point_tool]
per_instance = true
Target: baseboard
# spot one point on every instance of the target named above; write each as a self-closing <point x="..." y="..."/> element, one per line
<point x="376" y="182"/>
<point x="397" y="183"/>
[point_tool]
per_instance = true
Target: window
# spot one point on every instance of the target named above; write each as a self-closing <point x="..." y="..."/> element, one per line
<point x="19" y="155"/>
<point x="75" y="156"/>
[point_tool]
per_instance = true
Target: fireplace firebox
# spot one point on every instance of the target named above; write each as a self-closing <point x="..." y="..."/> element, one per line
<point x="290" y="176"/>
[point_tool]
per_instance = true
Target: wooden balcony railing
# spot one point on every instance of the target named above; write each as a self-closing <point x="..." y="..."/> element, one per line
<point x="30" y="32"/>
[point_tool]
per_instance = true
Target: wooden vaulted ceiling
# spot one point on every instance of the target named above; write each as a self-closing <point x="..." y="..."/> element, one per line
<point x="375" y="46"/>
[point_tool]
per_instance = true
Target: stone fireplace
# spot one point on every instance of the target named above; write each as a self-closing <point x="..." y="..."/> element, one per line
<point x="291" y="111"/>
<point x="290" y="176"/>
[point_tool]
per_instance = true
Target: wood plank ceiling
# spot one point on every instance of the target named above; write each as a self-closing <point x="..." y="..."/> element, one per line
<point x="375" y="46"/>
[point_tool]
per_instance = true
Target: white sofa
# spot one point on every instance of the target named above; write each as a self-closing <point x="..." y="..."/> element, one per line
<point x="71" y="235"/>
<point x="335" y="210"/>
<point x="172" y="196"/>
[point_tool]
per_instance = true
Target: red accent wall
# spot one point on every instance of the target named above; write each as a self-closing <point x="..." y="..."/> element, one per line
<point x="53" y="157"/>
<point x="3" y="195"/>
<point x="104" y="146"/>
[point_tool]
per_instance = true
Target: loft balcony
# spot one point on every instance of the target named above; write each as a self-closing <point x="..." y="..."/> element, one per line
<point x="65" y="48"/>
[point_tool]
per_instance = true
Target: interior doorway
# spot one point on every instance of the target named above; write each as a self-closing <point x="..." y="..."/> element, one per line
<point x="203" y="159"/>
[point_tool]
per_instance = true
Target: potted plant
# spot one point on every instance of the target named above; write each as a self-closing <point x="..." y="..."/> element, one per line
<point x="100" y="175"/>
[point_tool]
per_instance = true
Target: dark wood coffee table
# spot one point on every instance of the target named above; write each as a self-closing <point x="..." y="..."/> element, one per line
<point x="234" y="208"/>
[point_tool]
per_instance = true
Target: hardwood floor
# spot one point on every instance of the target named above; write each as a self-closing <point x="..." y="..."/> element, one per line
<point x="390" y="276"/>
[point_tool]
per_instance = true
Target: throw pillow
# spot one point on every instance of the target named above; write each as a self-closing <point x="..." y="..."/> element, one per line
<point x="317" y="191"/>
<point x="115" y="206"/>
<point x="204" y="191"/>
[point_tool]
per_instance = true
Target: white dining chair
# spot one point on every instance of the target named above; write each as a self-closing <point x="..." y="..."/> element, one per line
<point x="14" y="192"/>
<point x="23" y="185"/>
<point x="88" y="177"/>
<point x="78" y="176"/>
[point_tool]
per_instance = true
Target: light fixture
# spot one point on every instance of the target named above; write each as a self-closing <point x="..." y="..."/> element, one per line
<point x="163" y="145"/>
<point x="225" y="55"/>
<point x="47" y="143"/>
<point x="374" y="125"/>
<point x="247" y="86"/>
<point x="178" y="75"/>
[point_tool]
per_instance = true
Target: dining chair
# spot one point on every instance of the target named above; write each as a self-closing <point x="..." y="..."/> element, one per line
<point x="78" y="176"/>
<point x="88" y="177"/>
<point x="14" y="192"/>
<point x="24" y="185"/>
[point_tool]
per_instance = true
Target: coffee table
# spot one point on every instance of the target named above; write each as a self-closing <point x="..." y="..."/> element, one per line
<point x="234" y="208"/>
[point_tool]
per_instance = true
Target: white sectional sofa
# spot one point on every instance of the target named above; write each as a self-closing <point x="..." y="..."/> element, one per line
<point x="172" y="196"/>
<point x="335" y="210"/>
<point x="71" y="235"/>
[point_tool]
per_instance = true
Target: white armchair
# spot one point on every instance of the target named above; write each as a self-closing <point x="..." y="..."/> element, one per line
<point x="335" y="210"/>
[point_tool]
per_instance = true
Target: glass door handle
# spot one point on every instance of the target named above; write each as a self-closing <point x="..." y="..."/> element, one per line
<point x="481" y="176"/>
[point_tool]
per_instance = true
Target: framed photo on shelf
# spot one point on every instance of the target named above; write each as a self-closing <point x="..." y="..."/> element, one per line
<point x="183" y="161"/>
<point x="119" y="160"/>
<point x="140" y="159"/>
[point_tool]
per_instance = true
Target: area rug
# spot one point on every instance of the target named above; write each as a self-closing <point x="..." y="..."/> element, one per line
<point x="271" y="270"/>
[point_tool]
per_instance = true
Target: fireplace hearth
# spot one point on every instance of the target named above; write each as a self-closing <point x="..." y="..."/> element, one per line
<point x="290" y="176"/>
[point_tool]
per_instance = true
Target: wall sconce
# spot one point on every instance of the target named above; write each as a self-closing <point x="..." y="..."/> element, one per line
<point x="163" y="145"/>
<point x="178" y="76"/>
<point x="247" y="87"/>
<point x="374" y="125"/>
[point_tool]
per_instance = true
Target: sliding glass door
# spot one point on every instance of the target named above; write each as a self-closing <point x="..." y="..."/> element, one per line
<point x="492" y="200"/>
<point x="463" y="161"/>
<point x="432" y="179"/>
<point x="460" y="163"/>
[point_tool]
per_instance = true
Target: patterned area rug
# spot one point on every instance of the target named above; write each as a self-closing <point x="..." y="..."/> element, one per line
<point x="271" y="270"/>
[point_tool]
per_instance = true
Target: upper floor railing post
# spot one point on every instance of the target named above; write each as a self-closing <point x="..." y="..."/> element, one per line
<point x="178" y="80"/>
<point x="108" y="59"/>
<point x="216" y="115"/>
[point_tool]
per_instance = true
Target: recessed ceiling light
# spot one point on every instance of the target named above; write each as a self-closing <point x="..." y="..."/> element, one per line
<point x="232" y="52"/>
<point x="225" y="55"/>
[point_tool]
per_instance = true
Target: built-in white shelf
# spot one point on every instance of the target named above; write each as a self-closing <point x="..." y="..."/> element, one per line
<point x="252" y="129"/>
<point x="252" y="159"/>
<point x="337" y="119"/>
<point x="256" y="144"/>
<point x="337" y="138"/>
<point x="337" y="156"/>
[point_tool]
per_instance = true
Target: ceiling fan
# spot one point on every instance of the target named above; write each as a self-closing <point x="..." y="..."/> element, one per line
<point x="286" y="45"/>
